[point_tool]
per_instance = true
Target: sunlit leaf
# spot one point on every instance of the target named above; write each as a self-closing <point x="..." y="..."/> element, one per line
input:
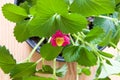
<point x="86" y="71"/>
<point x="92" y="7"/>
<point x="50" y="52"/>
<point x="14" y="13"/>
<point x="21" y="31"/>
<point x="92" y="34"/>
<point x="55" y="17"/>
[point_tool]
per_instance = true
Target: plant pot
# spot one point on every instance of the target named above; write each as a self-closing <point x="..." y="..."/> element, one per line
<point x="33" y="41"/>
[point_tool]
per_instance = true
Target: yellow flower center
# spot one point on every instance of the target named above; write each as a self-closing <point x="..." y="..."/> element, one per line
<point x="59" y="41"/>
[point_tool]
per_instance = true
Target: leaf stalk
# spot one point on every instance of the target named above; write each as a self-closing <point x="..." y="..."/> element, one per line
<point x="34" y="49"/>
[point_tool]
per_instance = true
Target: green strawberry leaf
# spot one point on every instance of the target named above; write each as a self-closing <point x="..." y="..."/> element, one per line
<point x="49" y="52"/>
<point x="31" y="2"/>
<point x="112" y="31"/>
<point x="92" y="34"/>
<point x="108" y="55"/>
<point x="98" y="71"/>
<point x="71" y="53"/>
<point x="54" y="17"/>
<point x="26" y="6"/>
<point x="116" y="36"/>
<point x="117" y="1"/>
<point x="18" y="78"/>
<point x="86" y="71"/>
<point x="21" y="31"/>
<point x="106" y="40"/>
<point x="86" y="58"/>
<point x="23" y="69"/>
<point x="37" y="78"/>
<point x="92" y="7"/>
<point x="47" y="69"/>
<point x="71" y="23"/>
<point x="107" y="78"/>
<point x="14" y="13"/>
<point x="60" y="72"/>
<point x="106" y="24"/>
<point x="7" y="62"/>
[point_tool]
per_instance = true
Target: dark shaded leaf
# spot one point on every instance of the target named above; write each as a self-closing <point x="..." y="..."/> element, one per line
<point x="117" y="1"/>
<point x="86" y="58"/>
<point x="26" y="6"/>
<point x="47" y="69"/>
<point x="18" y="78"/>
<point x="31" y="2"/>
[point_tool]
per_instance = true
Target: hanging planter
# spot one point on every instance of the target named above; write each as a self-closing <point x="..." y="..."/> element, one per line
<point x="72" y="31"/>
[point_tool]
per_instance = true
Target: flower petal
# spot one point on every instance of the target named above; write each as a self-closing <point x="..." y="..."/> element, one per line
<point x="60" y="39"/>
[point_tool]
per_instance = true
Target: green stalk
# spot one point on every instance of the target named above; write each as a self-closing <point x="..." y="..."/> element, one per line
<point x="34" y="49"/>
<point x="115" y="46"/>
<point x="118" y="50"/>
<point x="49" y="40"/>
<point x="78" y="38"/>
<point x="84" y="42"/>
<point x="106" y="17"/>
<point x="83" y="34"/>
<point x="95" y="50"/>
<point x="72" y="41"/>
<point x="116" y="21"/>
<point x="43" y="61"/>
<point x="54" y="69"/>
<point x="39" y="60"/>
